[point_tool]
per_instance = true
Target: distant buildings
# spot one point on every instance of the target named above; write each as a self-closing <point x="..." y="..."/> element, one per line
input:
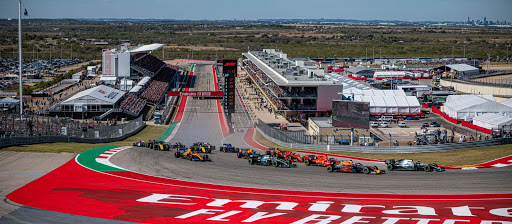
<point x="485" y="22"/>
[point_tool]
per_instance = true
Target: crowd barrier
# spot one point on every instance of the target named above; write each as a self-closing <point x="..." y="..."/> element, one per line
<point x="400" y="149"/>
<point x="437" y="111"/>
<point x="476" y="127"/>
<point x="106" y="134"/>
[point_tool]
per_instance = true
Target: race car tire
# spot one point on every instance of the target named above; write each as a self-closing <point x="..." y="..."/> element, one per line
<point x="275" y="164"/>
<point x="307" y="162"/>
<point x="366" y="170"/>
<point x="251" y="162"/>
<point x="330" y="168"/>
<point x="239" y="155"/>
<point x="428" y="168"/>
<point x="289" y="162"/>
<point x="205" y="158"/>
<point x="177" y="154"/>
<point x="389" y="167"/>
<point x="221" y="149"/>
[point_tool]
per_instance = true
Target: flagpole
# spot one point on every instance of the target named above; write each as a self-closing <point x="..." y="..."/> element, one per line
<point x="19" y="59"/>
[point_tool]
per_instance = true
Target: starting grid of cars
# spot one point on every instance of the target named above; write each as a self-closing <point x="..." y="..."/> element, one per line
<point x="281" y="158"/>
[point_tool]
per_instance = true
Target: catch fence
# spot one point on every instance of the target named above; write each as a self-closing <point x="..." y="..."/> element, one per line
<point x="33" y="129"/>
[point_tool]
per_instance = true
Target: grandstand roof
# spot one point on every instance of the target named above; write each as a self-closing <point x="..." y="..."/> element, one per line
<point x="146" y="48"/>
<point x="100" y="95"/>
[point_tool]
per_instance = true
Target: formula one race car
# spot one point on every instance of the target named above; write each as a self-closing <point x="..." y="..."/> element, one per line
<point x="245" y="153"/>
<point x="190" y="155"/>
<point x="318" y="160"/>
<point x="228" y="148"/>
<point x="409" y="164"/>
<point x="178" y="145"/>
<point x="289" y="155"/>
<point x="139" y="144"/>
<point x="150" y="144"/>
<point x="267" y="160"/>
<point x="202" y="147"/>
<point x="350" y="167"/>
<point x="161" y="145"/>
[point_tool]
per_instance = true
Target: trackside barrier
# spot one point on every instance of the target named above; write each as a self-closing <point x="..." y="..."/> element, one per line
<point x="112" y="134"/>
<point x="400" y="149"/>
<point x="476" y="127"/>
<point x="437" y="111"/>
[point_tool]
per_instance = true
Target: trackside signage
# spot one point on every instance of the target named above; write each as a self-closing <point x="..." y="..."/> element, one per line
<point x="298" y="210"/>
<point x="195" y="93"/>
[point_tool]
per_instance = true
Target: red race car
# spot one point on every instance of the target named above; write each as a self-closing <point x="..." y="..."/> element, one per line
<point x="318" y="160"/>
<point x="288" y="155"/>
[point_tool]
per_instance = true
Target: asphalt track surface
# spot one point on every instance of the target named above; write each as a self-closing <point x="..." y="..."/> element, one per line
<point x="201" y="123"/>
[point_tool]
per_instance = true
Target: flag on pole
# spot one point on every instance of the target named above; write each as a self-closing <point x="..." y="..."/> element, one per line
<point x="25" y="13"/>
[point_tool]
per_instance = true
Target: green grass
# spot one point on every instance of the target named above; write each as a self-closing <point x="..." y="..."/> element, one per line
<point x="148" y="133"/>
<point x="449" y="158"/>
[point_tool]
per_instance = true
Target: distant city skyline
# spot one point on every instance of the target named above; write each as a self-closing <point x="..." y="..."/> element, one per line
<point x="402" y="10"/>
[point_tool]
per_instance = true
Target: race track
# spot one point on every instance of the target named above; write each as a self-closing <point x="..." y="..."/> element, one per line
<point x="200" y="123"/>
<point x="113" y="184"/>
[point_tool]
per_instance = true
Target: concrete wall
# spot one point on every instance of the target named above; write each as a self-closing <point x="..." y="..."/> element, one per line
<point x="476" y="89"/>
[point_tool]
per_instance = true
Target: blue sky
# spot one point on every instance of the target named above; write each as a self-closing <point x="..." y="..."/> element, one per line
<point x="406" y="10"/>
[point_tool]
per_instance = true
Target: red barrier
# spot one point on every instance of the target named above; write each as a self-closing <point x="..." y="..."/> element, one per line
<point x="357" y="78"/>
<point x="476" y="127"/>
<point x="424" y="105"/>
<point x="453" y="120"/>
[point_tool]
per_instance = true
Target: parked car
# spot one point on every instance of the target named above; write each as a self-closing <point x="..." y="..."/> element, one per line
<point x="402" y="124"/>
<point x="384" y="124"/>
<point x="374" y="124"/>
<point x="435" y="124"/>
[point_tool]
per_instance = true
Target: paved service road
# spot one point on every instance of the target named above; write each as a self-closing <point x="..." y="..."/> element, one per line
<point x="201" y="123"/>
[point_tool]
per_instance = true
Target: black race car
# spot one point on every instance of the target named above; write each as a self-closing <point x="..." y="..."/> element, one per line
<point x="245" y="153"/>
<point x="228" y="148"/>
<point x="409" y="164"/>
<point x="350" y="167"/>
<point x="267" y="160"/>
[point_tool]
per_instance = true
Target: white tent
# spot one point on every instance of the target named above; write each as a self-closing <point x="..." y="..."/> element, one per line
<point x="389" y="74"/>
<point x="469" y="106"/>
<point x="493" y="121"/>
<point x="386" y="101"/>
<point x="109" y="80"/>
<point x="507" y="102"/>
<point x="125" y="84"/>
<point x="457" y="97"/>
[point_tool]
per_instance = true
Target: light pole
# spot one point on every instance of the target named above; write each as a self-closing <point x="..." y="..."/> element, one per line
<point x="380" y="50"/>
<point x="19" y="59"/>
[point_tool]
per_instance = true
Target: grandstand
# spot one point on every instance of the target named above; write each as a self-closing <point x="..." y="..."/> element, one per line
<point x="150" y="90"/>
